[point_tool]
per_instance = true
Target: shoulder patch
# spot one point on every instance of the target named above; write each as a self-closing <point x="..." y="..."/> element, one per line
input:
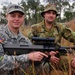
<point x="1" y="40"/>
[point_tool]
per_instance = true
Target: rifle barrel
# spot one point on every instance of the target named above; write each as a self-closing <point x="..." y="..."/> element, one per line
<point x="23" y="49"/>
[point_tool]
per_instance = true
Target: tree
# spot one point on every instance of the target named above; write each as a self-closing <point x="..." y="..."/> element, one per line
<point x="69" y="12"/>
<point x="33" y="9"/>
<point x="3" y="13"/>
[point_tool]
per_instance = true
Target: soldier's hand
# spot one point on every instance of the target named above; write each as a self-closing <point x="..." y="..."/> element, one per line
<point x="73" y="63"/>
<point x="53" y="53"/>
<point x="36" y="56"/>
<point x="53" y="58"/>
<point x="16" y="64"/>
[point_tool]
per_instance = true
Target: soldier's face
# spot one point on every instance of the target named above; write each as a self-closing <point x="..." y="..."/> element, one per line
<point x="50" y="16"/>
<point x="15" y="19"/>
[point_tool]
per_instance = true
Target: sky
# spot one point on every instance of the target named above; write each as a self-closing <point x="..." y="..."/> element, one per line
<point x="12" y="1"/>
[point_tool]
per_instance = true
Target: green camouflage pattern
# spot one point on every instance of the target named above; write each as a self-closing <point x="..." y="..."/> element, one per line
<point x="49" y="7"/>
<point x="6" y="61"/>
<point x="58" y="31"/>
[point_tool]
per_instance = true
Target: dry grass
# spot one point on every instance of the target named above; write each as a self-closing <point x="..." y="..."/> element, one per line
<point x="71" y="24"/>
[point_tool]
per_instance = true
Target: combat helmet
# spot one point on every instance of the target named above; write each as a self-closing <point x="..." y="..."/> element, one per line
<point x="49" y="7"/>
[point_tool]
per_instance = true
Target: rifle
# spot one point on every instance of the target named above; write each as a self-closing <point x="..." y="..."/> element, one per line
<point x="41" y="44"/>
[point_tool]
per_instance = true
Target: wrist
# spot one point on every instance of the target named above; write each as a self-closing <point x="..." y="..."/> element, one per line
<point x="72" y="65"/>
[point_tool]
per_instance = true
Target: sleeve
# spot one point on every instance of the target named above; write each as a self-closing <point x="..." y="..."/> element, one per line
<point x="29" y="41"/>
<point x="8" y="62"/>
<point x="68" y="34"/>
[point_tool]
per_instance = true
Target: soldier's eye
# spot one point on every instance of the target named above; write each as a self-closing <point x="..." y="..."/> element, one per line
<point x="13" y="16"/>
<point x="20" y="16"/>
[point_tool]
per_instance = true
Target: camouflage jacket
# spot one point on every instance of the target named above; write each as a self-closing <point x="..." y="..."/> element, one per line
<point x="58" y="31"/>
<point x="7" y="62"/>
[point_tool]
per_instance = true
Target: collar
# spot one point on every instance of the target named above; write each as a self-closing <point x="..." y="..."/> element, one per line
<point x="43" y="25"/>
<point x="11" y="34"/>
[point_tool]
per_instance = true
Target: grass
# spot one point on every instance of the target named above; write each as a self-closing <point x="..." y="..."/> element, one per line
<point x="65" y="70"/>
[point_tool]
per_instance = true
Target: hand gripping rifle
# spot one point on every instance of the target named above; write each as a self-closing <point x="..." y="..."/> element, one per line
<point x="39" y="44"/>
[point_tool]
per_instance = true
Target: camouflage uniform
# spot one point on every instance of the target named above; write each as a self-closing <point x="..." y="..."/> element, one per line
<point x="57" y="31"/>
<point x="6" y="61"/>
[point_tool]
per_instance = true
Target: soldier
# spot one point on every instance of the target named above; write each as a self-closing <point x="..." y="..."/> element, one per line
<point x="10" y="34"/>
<point x="50" y="28"/>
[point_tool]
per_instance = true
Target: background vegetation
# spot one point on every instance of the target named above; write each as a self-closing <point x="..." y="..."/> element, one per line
<point x="33" y="8"/>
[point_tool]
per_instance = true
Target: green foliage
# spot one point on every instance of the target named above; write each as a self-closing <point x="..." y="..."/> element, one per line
<point x="33" y="9"/>
<point x="68" y="15"/>
<point x="65" y="6"/>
